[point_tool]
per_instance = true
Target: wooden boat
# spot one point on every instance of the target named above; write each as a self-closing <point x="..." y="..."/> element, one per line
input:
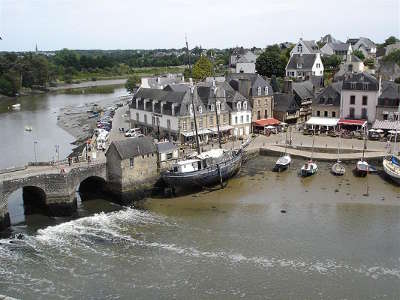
<point x="391" y="163"/>
<point x="310" y="167"/>
<point x="338" y="168"/>
<point x="284" y="161"/>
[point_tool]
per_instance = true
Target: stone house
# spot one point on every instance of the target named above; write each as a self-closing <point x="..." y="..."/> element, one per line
<point x="255" y="88"/>
<point x="286" y="108"/>
<point x="305" y="47"/>
<point x="340" y="49"/>
<point x="388" y="107"/>
<point x="327" y="102"/>
<point x="132" y="164"/>
<point x="359" y="97"/>
<point x="305" y="66"/>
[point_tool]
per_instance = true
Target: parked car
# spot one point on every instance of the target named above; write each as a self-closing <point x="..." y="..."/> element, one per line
<point x="132" y="132"/>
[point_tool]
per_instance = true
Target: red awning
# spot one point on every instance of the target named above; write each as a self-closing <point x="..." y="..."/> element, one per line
<point x="352" y="122"/>
<point x="267" y="122"/>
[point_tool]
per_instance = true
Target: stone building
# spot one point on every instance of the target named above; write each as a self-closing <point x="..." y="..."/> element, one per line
<point x="327" y="102"/>
<point x="168" y="153"/>
<point x="388" y="107"/>
<point x="132" y="165"/>
<point x="257" y="90"/>
<point x="286" y="108"/>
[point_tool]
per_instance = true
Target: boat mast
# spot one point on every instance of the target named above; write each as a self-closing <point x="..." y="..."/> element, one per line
<point x="338" y="149"/>
<point x="286" y="142"/>
<point x="195" y="122"/>
<point x="312" y="150"/>
<point x="217" y="117"/>
<point x="365" y="145"/>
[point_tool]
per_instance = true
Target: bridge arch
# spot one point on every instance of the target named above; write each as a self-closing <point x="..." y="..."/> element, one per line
<point x="91" y="187"/>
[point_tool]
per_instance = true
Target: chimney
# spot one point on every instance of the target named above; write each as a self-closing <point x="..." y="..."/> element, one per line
<point x="288" y="86"/>
<point x="244" y="87"/>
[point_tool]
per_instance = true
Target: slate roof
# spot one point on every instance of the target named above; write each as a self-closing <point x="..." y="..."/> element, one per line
<point x="307" y="61"/>
<point x="330" y="95"/>
<point x="285" y="102"/>
<point x="177" y="87"/>
<point x="304" y="89"/>
<point x="234" y="97"/>
<point x="256" y="81"/>
<point x="164" y="147"/>
<point x="339" y="46"/>
<point x="359" y="79"/>
<point x="390" y="90"/>
<point x="160" y="95"/>
<point x="311" y="46"/>
<point x="133" y="147"/>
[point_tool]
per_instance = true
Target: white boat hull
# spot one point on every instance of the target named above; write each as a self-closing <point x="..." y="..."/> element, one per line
<point x="308" y="169"/>
<point x="283" y="163"/>
<point x="392" y="170"/>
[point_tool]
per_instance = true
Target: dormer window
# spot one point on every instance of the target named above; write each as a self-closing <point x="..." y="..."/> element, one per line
<point x="299" y="65"/>
<point x="200" y="109"/>
<point x="244" y="105"/>
<point x="266" y="90"/>
<point x="218" y="107"/>
<point x="239" y="105"/>
<point x="353" y="85"/>
<point x="212" y="107"/>
<point x="365" y="86"/>
<point x="259" y="91"/>
<point x="300" y="48"/>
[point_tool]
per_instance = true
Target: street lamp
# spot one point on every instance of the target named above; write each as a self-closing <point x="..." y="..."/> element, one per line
<point x="34" y="150"/>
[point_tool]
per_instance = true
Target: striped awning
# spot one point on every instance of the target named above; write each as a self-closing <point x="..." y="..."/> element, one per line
<point x="386" y="125"/>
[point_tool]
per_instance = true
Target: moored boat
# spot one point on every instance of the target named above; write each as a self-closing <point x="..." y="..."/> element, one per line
<point x="362" y="167"/>
<point x="391" y="163"/>
<point x="310" y="167"/>
<point x="16" y="106"/>
<point x="284" y="161"/>
<point x="338" y="168"/>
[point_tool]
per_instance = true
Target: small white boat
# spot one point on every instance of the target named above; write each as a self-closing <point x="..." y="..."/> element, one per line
<point x="28" y="128"/>
<point x="16" y="106"/>
<point x="338" y="169"/>
<point x="391" y="163"/>
<point x="362" y="167"/>
<point x="308" y="169"/>
<point x="284" y="161"/>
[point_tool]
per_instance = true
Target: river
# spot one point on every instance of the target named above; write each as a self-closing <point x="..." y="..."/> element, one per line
<point x="265" y="236"/>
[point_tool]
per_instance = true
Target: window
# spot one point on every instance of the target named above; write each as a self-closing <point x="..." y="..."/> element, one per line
<point x="266" y="91"/>
<point x="153" y="120"/>
<point x="245" y="105"/>
<point x="299" y="66"/>
<point x="191" y="125"/>
<point x="365" y="100"/>
<point x="365" y="86"/>
<point x="333" y="114"/>
<point x="184" y="126"/>
<point x="225" y="119"/>
<point x="352" y="112"/>
<point x="258" y="115"/>
<point x="212" y="107"/>
<point x="131" y="162"/>
<point x="191" y="109"/>
<point x="350" y="68"/>
<point x="318" y="113"/>
<point x="266" y="113"/>
<point x="247" y="119"/>
<point x="200" y="123"/>
<point x="169" y="155"/>
<point x="318" y="65"/>
<point x="353" y="85"/>
<point x="137" y="117"/>
<point x="259" y="91"/>
<point x="212" y="120"/>
<point x="352" y="99"/>
<point x="325" y="113"/>
<point x="236" y="120"/>
<point x="241" y="119"/>
<point x="218" y="107"/>
<point x="200" y="109"/>
<point x="169" y="124"/>
<point x="258" y="102"/>
<point x="239" y="105"/>
<point x="145" y="119"/>
<point x="364" y="113"/>
<point x="299" y="48"/>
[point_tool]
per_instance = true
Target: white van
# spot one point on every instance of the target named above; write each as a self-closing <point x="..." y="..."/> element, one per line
<point x="132" y="132"/>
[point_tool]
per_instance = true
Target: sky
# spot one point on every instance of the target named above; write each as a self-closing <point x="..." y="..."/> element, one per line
<point x="150" y="24"/>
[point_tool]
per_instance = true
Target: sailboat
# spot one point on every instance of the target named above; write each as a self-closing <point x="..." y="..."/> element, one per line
<point x="205" y="168"/>
<point x="310" y="167"/>
<point x="284" y="161"/>
<point x="391" y="163"/>
<point x="338" y="168"/>
<point x="362" y="167"/>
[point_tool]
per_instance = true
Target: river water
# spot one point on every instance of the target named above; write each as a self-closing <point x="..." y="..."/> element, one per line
<point x="338" y="239"/>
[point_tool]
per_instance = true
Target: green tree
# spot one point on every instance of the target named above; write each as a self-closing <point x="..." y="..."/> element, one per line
<point x="331" y="62"/>
<point x="132" y="83"/>
<point x="369" y="62"/>
<point x="392" y="57"/>
<point x="187" y="73"/>
<point x="202" y="69"/>
<point x="271" y="62"/>
<point x="359" y="54"/>
<point x="390" y="40"/>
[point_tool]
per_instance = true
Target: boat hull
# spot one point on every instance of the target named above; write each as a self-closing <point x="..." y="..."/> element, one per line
<point x="338" y="169"/>
<point x="310" y="170"/>
<point x="361" y="169"/>
<point x="392" y="171"/>
<point x="282" y="163"/>
<point x="206" y="177"/>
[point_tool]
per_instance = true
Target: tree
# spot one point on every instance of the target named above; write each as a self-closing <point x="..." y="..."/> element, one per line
<point x="132" y="83"/>
<point x="274" y="84"/>
<point x="359" y="54"/>
<point x="271" y="62"/>
<point x="390" y="40"/>
<point x="394" y="56"/>
<point x="331" y="62"/>
<point x="187" y="73"/>
<point x="202" y="69"/>
<point x="369" y="62"/>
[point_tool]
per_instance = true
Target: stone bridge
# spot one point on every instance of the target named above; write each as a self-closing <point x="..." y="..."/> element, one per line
<point x="48" y="187"/>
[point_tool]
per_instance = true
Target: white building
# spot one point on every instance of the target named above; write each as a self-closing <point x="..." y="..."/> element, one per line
<point x="240" y="113"/>
<point x="359" y="97"/>
<point x="304" y="66"/>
